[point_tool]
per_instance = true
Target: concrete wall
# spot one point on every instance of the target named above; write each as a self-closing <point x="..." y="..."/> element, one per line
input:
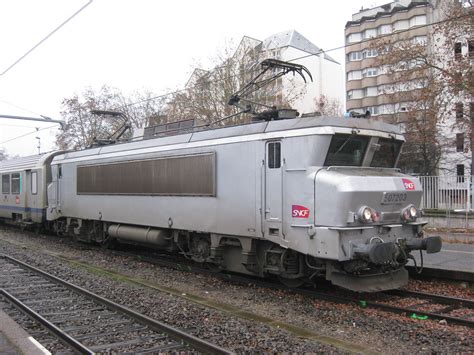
<point x="451" y="221"/>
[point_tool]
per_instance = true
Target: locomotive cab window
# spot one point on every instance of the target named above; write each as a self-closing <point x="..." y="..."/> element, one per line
<point x="346" y="150"/>
<point x="274" y="155"/>
<point x="386" y="154"/>
<point x="16" y="186"/>
<point x="5" y="184"/>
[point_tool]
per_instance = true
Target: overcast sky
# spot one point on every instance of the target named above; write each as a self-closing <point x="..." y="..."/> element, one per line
<point x="134" y="45"/>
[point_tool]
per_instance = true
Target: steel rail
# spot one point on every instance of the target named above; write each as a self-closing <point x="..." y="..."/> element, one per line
<point x="320" y="295"/>
<point x="462" y="302"/>
<point x="156" y="325"/>
<point x="63" y="336"/>
<point x="325" y="296"/>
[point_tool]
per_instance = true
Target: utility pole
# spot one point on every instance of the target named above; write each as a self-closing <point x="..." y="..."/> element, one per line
<point x="39" y="141"/>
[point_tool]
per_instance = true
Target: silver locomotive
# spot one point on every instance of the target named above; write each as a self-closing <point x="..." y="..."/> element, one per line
<point x="299" y="199"/>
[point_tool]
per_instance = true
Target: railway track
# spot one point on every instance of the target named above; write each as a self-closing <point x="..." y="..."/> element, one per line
<point x="422" y="306"/>
<point x="80" y="321"/>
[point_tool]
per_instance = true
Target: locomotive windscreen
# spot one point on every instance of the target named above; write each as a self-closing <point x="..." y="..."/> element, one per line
<point x="189" y="175"/>
<point x="346" y="150"/>
<point x="387" y="154"/>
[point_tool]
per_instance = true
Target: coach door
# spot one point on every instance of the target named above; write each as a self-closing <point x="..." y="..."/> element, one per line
<point x="273" y="190"/>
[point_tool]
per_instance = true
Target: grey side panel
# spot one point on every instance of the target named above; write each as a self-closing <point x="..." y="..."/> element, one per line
<point x="189" y="175"/>
<point x="231" y="211"/>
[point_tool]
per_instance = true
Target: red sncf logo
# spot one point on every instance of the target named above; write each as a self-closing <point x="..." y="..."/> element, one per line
<point x="298" y="211"/>
<point x="409" y="185"/>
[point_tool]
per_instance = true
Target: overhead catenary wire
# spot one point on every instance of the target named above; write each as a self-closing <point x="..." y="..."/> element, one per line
<point x="45" y="38"/>
<point x="27" y="134"/>
<point x="303" y="57"/>
<point x="19" y="107"/>
<point x="291" y="60"/>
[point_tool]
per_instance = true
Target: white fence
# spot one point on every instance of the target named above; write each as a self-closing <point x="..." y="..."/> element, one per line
<point x="449" y="193"/>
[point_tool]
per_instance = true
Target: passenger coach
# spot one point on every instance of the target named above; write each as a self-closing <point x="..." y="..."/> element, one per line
<point x="24" y="182"/>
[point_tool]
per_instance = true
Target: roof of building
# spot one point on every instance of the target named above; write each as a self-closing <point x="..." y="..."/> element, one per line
<point x="294" y="39"/>
<point x="383" y="10"/>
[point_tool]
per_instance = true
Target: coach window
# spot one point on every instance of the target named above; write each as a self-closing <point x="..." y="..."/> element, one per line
<point x="34" y="183"/>
<point x="274" y="155"/>
<point x="5" y="184"/>
<point x="16" y="184"/>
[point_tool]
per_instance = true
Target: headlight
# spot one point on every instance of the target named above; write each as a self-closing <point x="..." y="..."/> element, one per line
<point x="409" y="213"/>
<point x="365" y="214"/>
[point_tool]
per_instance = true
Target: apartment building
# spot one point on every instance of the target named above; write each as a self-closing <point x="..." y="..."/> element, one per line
<point x="372" y="87"/>
<point x="368" y="86"/>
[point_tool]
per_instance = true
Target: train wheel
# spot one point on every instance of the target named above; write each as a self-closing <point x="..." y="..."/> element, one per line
<point x="292" y="283"/>
<point x="109" y="243"/>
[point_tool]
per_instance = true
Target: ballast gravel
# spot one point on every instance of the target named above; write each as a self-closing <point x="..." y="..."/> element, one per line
<point x="368" y="329"/>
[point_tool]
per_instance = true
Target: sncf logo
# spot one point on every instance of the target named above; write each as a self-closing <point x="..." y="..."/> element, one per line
<point x="409" y="185"/>
<point x="298" y="211"/>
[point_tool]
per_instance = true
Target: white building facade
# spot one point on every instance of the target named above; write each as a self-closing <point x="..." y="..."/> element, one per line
<point x="326" y="72"/>
<point x="290" y="46"/>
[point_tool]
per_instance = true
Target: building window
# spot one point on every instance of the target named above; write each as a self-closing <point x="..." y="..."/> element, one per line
<point x="459" y="142"/>
<point x="418" y="20"/>
<point x="370" y="91"/>
<point x="354" y="75"/>
<point x="457" y="50"/>
<point x="422" y="40"/>
<point x="16" y="186"/>
<point x="5" y="184"/>
<point x="374" y="110"/>
<point x="470" y="44"/>
<point x="385" y="29"/>
<point x="274" y="155"/>
<point x="354" y="37"/>
<point x="353" y="56"/>
<point x="370" y="33"/>
<point x="460" y="170"/>
<point x="369" y="72"/>
<point x="459" y="112"/>
<point x="369" y="53"/>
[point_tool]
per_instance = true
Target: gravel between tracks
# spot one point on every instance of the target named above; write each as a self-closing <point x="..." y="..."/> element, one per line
<point x="376" y="330"/>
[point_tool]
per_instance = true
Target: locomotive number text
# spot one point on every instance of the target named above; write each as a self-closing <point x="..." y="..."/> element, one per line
<point x="393" y="198"/>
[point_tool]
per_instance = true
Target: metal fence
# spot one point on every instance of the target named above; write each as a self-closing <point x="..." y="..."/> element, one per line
<point x="449" y="193"/>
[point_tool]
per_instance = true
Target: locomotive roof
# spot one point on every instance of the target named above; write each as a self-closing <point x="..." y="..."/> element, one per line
<point x="327" y="125"/>
<point x="24" y="163"/>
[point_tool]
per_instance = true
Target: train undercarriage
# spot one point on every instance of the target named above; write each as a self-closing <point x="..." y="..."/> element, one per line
<point x="375" y="267"/>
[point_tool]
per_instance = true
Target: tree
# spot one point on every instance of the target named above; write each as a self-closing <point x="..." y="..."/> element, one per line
<point x="3" y="155"/>
<point x="83" y="127"/>
<point x="328" y="107"/>
<point x="428" y="76"/>
<point x="207" y="92"/>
